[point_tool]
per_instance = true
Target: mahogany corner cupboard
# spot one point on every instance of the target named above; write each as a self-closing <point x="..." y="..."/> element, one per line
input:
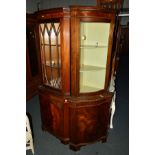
<point x="76" y="60"/>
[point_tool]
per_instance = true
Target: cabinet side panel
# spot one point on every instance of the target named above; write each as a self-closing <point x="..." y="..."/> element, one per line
<point x="33" y="69"/>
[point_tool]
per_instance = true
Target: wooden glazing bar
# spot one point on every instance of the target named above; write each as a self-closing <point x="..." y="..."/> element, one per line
<point x="43" y="55"/>
<point x="50" y="50"/>
<point x="57" y="48"/>
<point x="43" y="33"/>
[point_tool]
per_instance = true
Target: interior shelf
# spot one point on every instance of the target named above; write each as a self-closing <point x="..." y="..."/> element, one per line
<point x="50" y="45"/>
<point x="93" y="46"/>
<point x="90" y="68"/>
<point x="52" y="65"/>
<point x="84" y="89"/>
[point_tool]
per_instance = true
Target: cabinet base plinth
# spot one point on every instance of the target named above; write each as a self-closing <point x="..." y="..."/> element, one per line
<point x="65" y="141"/>
<point x="76" y="147"/>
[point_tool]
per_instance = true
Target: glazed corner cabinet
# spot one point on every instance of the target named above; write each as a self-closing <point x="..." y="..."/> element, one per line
<point x="76" y="61"/>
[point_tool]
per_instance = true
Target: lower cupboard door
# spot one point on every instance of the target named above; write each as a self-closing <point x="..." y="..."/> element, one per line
<point x="89" y="123"/>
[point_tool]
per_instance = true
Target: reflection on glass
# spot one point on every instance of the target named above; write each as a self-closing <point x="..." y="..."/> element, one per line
<point x="93" y="55"/>
<point x="51" y="54"/>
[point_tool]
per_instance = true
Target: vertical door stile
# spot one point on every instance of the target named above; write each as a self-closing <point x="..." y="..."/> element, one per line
<point x="57" y="48"/>
<point x="57" y="53"/>
<point x="44" y="56"/>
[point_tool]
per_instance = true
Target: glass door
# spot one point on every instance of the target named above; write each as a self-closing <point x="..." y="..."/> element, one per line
<point x="51" y="54"/>
<point x="94" y="37"/>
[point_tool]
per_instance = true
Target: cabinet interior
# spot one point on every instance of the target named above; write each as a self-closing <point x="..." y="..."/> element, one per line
<point x="94" y="38"/>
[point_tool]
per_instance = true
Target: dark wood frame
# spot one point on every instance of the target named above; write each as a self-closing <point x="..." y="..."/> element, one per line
<point x="62" y="15"/>
<point x="32" y="82"/>
<point x="87" y="14"/>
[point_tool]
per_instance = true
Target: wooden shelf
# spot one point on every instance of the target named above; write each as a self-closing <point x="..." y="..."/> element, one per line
<point x="50" y="45"/>
<point x="56" y="67"/>
<point x="52" y="65"/>
<point x="90" y="68"/>
<point x="85" y="89"/>
<point x="93" y="46"/>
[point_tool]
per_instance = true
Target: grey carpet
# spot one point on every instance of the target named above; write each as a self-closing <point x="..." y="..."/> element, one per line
<point x="118" y="138"/>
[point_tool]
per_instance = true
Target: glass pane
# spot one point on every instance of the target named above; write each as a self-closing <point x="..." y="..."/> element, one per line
<point x="93" y="55"/>
<point x="51" y="54"/>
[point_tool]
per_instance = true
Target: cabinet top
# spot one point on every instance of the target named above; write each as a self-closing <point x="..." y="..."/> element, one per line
<point x="79" y="11"/>
<point x="78" y="7"/>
